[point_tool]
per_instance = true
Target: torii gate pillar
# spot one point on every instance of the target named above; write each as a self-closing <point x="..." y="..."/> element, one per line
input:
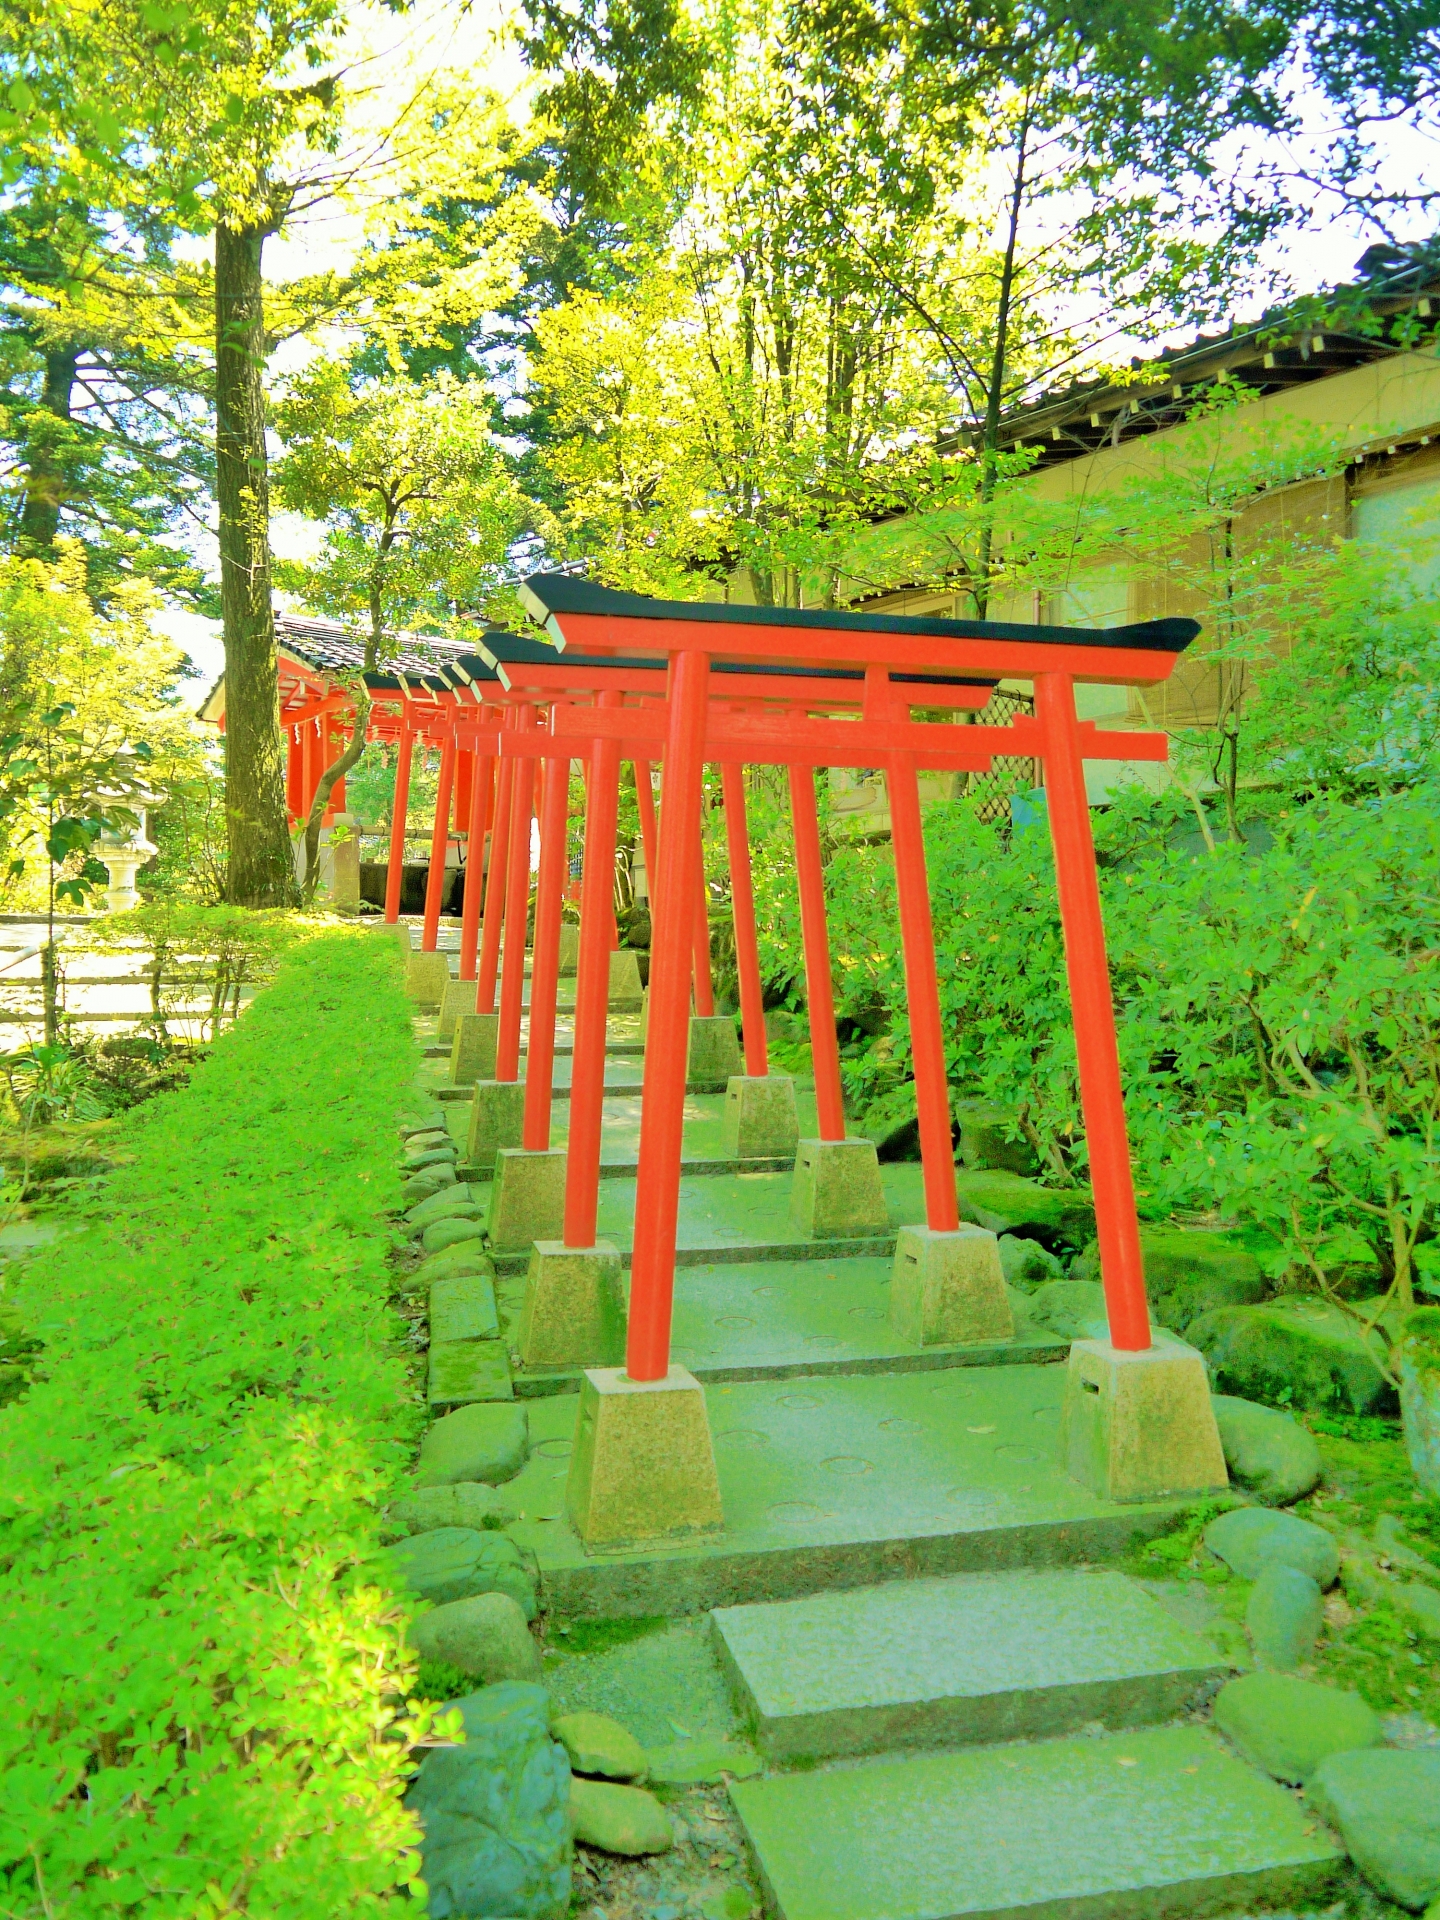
<point x="643" y="1467"/>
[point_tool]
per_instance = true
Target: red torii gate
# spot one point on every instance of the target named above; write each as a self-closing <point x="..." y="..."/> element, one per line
<point x="611" y="1504"/>
<point x="612" y="731"/>
<point x="819" y="661"/>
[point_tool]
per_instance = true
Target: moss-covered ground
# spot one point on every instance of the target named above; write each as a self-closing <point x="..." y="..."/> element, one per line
<point x="1370" y="1649"/>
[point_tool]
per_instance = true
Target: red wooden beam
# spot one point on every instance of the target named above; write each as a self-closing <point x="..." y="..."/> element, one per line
<point x="662" y="1110"/>
<point x="592" y="990"/>
<point x="439" y="847"/>
<point x="742" y="902"/>
<point x="898" y="650"/>
<point x="545" y="969"/>
<point x="1088" y="969"/>
<point x="819" y="988"/>
<point x="395" y="872"/>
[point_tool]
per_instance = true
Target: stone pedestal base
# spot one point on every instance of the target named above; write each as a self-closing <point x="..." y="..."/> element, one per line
<point x="497" y="1119"/>
<point x="947" y="1289"/>
<point x="473" y="1046"/>
<point x="714" y="1052"/>
<point x="569" y="946"/>
<point x="527" y="1197"/>
<point x="574" y="1311"/>
<point x="643" y="1468"/>
<point x="836" y="1192"/>
<point x="625" y="989"/>
<point x="1139" y="1426"/>
<point x="759" y="1119"/>
<point x="340" y="864"/>
<point x="426" y="977"/>
<point x="458" y="998"/>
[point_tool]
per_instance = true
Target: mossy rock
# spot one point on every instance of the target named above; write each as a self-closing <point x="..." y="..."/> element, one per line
<point x="990" y="1140"/>
<point x="467" y="1256"/>
<point x="599" y="1745"/>
<point x="466" y="1503"/>
<point x="1026" y="1264"/>
<point x="485" y="1635"/>
<point x="623" y="1820"/>
<point x="462" y="1307"/>
<point x="1294" y="1353"/>
<point x="436" y="1156"/>
<point x="1070" y="1309"/>
<point x="1284" y="1615"/>
<point x="1386" y="1808"/>
<point x="1250" y="1539"/>
<point x="1288" y="1726"/>
<point x="495" y="1812"/>
<point x="457" y="1199"/>
<point x="1189" y="1272"/>
<point x="485" y="1442"/>
<point x="1420" y="1394"/>
<point x="1007" y="1203"/>
<point x="1268" y="1452"/>
<point x="457" y="1563"/>
<point x="454" y="1232"/>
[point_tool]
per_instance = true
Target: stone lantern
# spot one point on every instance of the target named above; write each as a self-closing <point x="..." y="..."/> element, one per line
<point x="124" y="850"/>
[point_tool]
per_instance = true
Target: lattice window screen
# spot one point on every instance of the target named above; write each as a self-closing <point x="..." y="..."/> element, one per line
<point x="991" y="791"/>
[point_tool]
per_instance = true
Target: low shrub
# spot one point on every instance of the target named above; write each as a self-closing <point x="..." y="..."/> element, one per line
<point x="202" y="1691"/>
<point x="1277" y="1004"/>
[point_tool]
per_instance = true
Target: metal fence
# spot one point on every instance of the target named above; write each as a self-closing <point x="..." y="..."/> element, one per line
<point x="1008" y="774"/>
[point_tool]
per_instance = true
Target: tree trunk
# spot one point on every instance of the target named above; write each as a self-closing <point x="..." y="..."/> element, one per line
<point x="44" y="471"/>
<point x="261" y="872"/>
<point x="999" y="363"/>
<point x="329" y="780"/>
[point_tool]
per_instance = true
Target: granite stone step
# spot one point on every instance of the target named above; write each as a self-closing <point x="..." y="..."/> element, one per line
<point x="842" y="1480"/>
<point x="1154" y="1822"/>
<point x="957" y="1662"/>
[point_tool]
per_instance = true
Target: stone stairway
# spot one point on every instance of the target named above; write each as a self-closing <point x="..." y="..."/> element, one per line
<point x="923" y="1679"/>
<point x="958" y="1662"/>
<point x="962" y="1710"/>
<point x="1161" y="1820"/>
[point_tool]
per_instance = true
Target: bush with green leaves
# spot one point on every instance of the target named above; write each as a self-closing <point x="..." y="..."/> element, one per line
<point x="1290" y="1000"/>
<point x="1278" y="1011"/>
<point x="198" y="953"/>
<point x="202" y="1679"/>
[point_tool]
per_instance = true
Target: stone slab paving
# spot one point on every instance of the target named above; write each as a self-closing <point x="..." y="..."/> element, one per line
<point x="620" y="1131"/>
<point x="732" y="1218"/>
<point x="806" y="1316"/>
<point x="958" y="1662"/>
<point x="782" y="1319"/>
<point x="704" y="1125"/>
<point x="664" y="1684"/>
<point x="623" y="1074"/>
<point x="842" y="1481"/>
<point x="1153" y="1822"/>
<point x="739" y="1210"/>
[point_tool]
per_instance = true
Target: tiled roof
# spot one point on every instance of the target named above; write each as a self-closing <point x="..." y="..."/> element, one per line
<point x="329" y="647"/>
<point x="1395" y="289"/>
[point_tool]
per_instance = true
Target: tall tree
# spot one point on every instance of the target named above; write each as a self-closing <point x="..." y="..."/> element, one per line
<point x="1076" y="152"/>
<point x="894" y="227"/>
<point x="242" y="120"/>
<point x="104" y="395"/>
<point x="419" y="512"/>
